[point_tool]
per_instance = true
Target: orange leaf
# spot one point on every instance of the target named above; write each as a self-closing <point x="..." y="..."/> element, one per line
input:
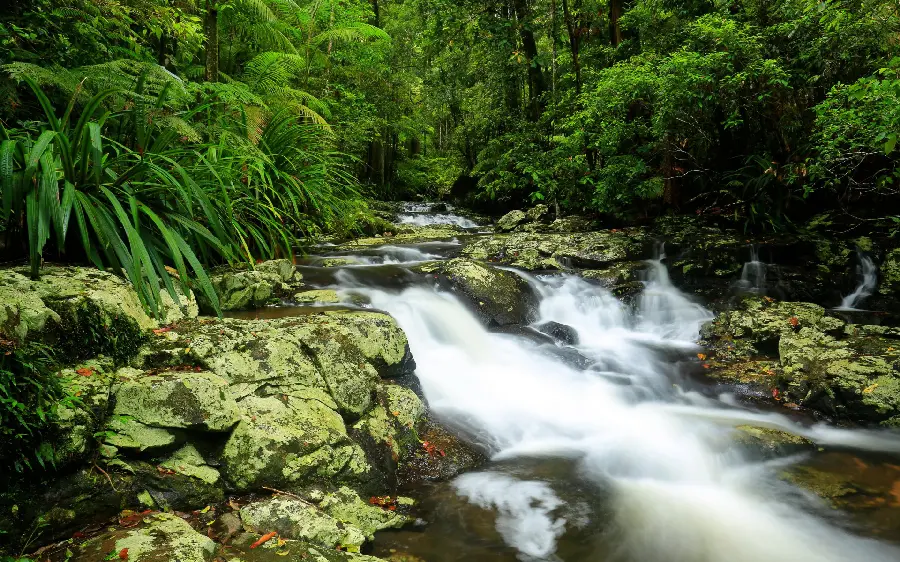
<point x="85" y="371"/>
<point x="123" y="554"/>
<point x="701" y="356"/>
<point x="264" y="539"/>
<point x="795" y="321"/>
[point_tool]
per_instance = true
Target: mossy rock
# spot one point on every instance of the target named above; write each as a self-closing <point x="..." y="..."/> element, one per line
<point x="446" y="457"/>
<point x="857" y="377"/>
<point x="288" y="442"/>
<point x="83" y="312"/>
<point x="285" y="550"/>
<point x="510" y="221"/>
<point x="890" y="274"/>
<point x="335" y="356"/>
<point x="407" y="234"/>
<point x="321" y="296"/>
<point x="196" y="400"/>
<point x="295" y="519"/>
<point x="771" y="442"/>
<point x="346" y="506"/>
<point x="536" y="251"/>
<point x="157" y="538"/>
<point x="242" y="290"/>
<point x="500" y="298"/>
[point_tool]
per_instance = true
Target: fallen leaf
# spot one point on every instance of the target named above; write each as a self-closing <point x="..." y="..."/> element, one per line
<point x="264" y="539"/>
<point x="870" y="389"/>
<point x="85" y="371"/>
<point x="701" y="356"/>
<point x="123" y="554"/>
<point x="795" y="321"/>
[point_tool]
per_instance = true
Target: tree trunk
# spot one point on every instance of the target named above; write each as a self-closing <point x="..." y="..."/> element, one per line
<point x="554" y="33"/>
<point x="377" y="11"/>
<point x="615" y="14"/>
<point x="536" y="84"/>
<point x="212" y="41"/>
<point x="574" y="44"/>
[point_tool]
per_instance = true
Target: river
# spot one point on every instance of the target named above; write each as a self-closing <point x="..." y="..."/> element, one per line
<point x="605" y="450"/>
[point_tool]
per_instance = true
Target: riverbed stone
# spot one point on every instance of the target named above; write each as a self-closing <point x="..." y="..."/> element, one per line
<point x="160" y="536"/>
<point x="322" y="296"/>
<point x="254" y="288"/>
<point x="288" y="442"/>
<point x="346" y="506"/>
<point x="197" y="400"/>
<point x="293" y="518"/>
<point x="499" y="297"/>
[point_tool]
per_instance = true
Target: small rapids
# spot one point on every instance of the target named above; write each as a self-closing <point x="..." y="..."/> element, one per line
<point x="654" y="474"/>
<point x="420" y="214"/>
<point x="868" y="281"/>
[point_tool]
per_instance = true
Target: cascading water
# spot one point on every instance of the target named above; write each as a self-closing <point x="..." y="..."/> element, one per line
<point x="419" y="214"/>
<point x="868" y="281"/>
<point x="753" y="276"/>
<point x="672" y="489"/>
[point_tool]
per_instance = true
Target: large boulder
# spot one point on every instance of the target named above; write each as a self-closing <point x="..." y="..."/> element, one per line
<point x="289" y="442"/>
<point x="388" y="431"/>
<point x="82" y="311"/>
<point x="158" y="537"/>
<point x="181" y="399"/>
<point x="338" y="356"/>
<point x="499" y="297"/>
<point x="534" y="251"/>
<point x="856" y="376"/>
<point x="510" y="221"/>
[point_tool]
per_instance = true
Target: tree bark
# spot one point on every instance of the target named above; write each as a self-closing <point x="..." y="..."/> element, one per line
<point x="615" y="14"/>
<point x="536" y="85"/>
<point x="212" y="41"/>
<point x="574" y="44"/>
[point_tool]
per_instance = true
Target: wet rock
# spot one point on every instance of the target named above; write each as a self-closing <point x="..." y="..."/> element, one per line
<point x="337" y="356"/>
<point x="182" y="481"/>
<point x="890" y="273"/>
<point x="161" y="536"/>
<point x="288" y="551"/>
<point x="499" y="297"/>
<point x="538" y="213"/>
<point x="346" y="506"/>
<point x="325" y="296"/>
<point x="760" y="322"/>
<point x="511" y="220"/>
<point x="560" y="332"/>
<point x="78" y="421"/>
<point x="295" y="519"/>
<point x="127" y="434"/>
<point x="288" y="442"/>
<point x="771" y="442"/>
<point x="387" y="432"/>
<point x="176" y="399"/>
<point x="408" y="234"/>
<point x="445" y="456"/>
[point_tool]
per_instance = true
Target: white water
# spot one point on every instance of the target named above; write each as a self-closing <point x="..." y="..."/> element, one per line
<point x="868" y="275"/>
<point x="753" y="276"/>
<point x="677" y="494"/>
<point x="429" y="219"/>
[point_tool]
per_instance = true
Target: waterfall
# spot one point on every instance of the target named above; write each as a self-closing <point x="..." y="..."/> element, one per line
<point x="671" y="494"/>
<point x="753" y="276"/>
<point x="868" y="281"/>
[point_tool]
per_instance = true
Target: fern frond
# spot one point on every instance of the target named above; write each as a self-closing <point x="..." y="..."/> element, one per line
<point x="359" y="32"/>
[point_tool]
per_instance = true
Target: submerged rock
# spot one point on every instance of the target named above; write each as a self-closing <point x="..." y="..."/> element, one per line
<point x="560" y="332"/>
<point x="771" y="442"/>
<point x="158" y="537"/>
<point x="499" y="297"/>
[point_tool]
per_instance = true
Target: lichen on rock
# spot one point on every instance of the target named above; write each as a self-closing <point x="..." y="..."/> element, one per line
<point x="158" y="537"/>
<point x="293" y="518"/>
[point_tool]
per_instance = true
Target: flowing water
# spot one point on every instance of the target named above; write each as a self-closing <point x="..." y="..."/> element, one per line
<point x="612" y="457"/>
<point x="753" y="276"/>
<point x="420" y="214"/>
<point x="868" y="281"/>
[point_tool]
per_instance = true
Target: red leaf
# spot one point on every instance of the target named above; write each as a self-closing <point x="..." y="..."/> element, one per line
<point x="85" y="371"/>
<point x="264" y="539"/>
<point x="795" y="321"/>
<point x="123" y="554"/>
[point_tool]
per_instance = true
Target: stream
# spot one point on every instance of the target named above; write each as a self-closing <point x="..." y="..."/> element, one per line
<point x="609" y="449"/>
